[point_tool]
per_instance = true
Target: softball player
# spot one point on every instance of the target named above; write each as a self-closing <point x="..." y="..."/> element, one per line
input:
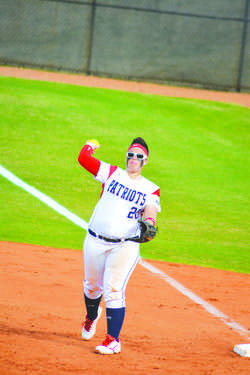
<point x="109" y="257"/>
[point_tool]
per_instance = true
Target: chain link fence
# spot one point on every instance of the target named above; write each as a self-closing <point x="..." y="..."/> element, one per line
<point x="197" y="43"/>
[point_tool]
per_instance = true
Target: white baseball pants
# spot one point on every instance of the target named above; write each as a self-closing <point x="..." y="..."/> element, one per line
<point x="107" y="268"/>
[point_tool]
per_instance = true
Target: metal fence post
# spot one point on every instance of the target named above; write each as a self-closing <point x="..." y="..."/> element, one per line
<point x="91" y="35"/>
<point x="243" y="46"/>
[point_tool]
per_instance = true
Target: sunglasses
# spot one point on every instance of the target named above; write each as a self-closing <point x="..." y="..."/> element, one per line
<point x="138" y="156"/>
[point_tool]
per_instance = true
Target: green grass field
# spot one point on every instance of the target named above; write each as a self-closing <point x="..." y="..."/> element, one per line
<point x="199" y="156"/>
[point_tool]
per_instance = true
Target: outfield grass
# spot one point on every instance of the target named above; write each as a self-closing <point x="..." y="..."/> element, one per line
<point x="199" y="155"/>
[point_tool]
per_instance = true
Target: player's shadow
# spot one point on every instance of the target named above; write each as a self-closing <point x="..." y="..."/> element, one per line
<point x="70" y="337"/>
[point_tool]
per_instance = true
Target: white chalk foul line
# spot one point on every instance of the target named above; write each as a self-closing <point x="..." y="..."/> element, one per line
<point x="44" y="198"/>
<point x="192" y="296"/>
<point x="83" y="224"/>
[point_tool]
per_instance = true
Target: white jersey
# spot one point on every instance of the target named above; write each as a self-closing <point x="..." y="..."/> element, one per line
<point x="122" y="202"/>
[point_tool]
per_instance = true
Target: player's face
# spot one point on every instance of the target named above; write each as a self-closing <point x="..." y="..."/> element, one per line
<point x="135" y="165"/>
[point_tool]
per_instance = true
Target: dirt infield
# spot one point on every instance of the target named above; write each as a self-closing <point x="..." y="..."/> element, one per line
<point x="164" y="332"/>
<point x="148" y="88"/>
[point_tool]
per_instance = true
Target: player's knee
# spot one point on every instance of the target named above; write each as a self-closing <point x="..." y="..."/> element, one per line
<point x="114" y="299"/>
<point x="92" y="291"/>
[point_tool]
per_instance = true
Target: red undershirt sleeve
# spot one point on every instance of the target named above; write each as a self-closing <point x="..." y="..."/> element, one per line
<point x="87" y="161"/>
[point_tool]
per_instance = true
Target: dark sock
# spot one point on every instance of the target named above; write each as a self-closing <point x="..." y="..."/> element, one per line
<point x="92" y="307"/>
<point x="115" y="319"/>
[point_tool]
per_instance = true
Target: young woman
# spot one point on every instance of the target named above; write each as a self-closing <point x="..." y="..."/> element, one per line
<point x="109" y="257"/>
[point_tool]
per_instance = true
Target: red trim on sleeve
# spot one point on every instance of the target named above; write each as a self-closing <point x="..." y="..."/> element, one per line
<point x="157" y="192"/>
<point x="103" y="185"/>
<point x="112" y="170"/>
<point x="87" y="161"/>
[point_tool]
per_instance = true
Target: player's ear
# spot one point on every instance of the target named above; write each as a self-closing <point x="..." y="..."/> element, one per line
<point x="145" y="161"/>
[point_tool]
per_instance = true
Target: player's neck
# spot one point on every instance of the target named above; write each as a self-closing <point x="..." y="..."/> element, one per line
<point x="134" y="175"/>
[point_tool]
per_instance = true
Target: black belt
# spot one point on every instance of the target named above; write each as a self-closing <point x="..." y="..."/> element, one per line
<point x="104" y="238"/>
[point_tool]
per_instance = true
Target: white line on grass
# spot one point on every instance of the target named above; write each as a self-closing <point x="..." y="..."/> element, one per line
<point x="44" y="198"/>
<point x="83" y="224"/>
